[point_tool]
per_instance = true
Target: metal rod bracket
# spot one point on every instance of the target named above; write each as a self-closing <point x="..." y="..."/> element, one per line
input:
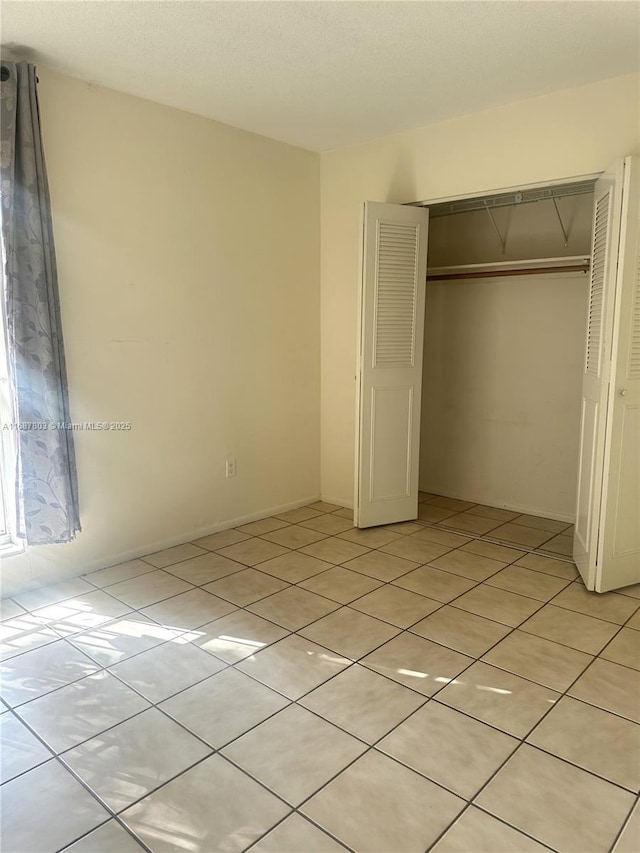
<point x="564" y="230"/>
<point x="503" y="240"/>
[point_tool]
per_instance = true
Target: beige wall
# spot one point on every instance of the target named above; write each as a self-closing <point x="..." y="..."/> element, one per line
<point x="501" y="391"/>
<point x="188" y="257"/>
<point x="568" y="133"/>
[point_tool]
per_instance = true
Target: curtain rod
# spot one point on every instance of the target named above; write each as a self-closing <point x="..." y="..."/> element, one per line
<point x="584" y="267"/>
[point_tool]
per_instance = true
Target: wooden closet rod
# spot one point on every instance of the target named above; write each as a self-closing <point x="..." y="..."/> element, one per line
<point x="497" y="273"/>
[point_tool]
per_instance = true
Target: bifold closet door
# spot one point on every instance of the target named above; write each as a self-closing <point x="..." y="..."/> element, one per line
<point x="389" y="371"/>
<point x="607" y="532"/>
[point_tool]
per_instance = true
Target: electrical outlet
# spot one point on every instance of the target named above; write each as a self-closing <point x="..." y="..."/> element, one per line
<point x="231" y="466"/>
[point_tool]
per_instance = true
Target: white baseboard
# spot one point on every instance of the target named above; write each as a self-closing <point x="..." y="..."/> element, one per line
<point x="521" y="508"/>
<point x="35" y="579"/>
<point x="199" y="533"/>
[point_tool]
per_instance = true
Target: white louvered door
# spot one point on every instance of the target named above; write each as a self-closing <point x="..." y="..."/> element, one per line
<point x="618" y="562"/>
<point x="391" y="321"/>
<point x="594" y="380"/>
<point x="607" y="532"/>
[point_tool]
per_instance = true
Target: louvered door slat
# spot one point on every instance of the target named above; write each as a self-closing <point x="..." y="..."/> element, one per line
<point x="633" y="371"/>
<point x="396" y="290"/>
<point x="596" y="291"/>
<point x="606" y="546"/>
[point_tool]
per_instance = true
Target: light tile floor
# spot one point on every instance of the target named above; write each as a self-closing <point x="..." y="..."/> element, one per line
<point x="299" y="686"/>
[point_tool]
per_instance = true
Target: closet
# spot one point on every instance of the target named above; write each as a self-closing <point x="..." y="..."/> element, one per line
<point x="506" y="302"/>
<point x="504" y="368"/>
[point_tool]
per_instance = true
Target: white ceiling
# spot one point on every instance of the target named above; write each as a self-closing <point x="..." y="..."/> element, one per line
<point x="326" y="74"/>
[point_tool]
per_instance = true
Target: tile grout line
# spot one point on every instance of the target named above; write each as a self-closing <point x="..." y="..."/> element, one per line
<point x="524" y="741"/>
<point x="471" y="805"/>
<point x="436" y="526"/>
<point x="427" y="699"/>
<point x="400" y="630"/>
<point x="326" y="783"/>
<point x="112" y="813"/>
<point x="56" y="757"/>
<point x="219" y="751"/>
<point x="442" y="604"/>
<point x="514" y="520"/>
<point x="291" y="702"/>
<point x="305" y="818"/>
<point x="167" y="569"/>
<point x="442" y="525"/>
<point x="114" y="818"/>
<point x="188" y="630"/>
<point x="625" y="824"/>
<point x="476" y="660"/>
<point x="360" y="660"/>
<point x="139" y="611"/>
<point x="530" y="732"/>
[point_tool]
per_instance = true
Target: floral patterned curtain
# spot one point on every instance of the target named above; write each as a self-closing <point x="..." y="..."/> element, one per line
<point x="46" y="480"/>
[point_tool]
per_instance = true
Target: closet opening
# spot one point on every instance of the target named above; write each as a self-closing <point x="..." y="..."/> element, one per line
<point x="494" y="292"/>
<point x="504" y="341"/>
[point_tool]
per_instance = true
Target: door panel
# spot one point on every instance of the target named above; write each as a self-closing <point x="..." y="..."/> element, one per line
<point x="585" y="519"/>
<point x="626" y="537"/>
<point x="391" y="322"/>
<point x="391" y="417"/>
<point x="606" y="225"/>
<point x="606" y="541"/>
<point x="619" y="552"/>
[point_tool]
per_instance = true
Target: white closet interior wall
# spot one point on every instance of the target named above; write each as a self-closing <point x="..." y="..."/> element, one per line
<point x="503" y="360"/>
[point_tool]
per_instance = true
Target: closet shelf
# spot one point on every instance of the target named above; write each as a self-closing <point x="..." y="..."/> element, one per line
<point x="509" y="199"/>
